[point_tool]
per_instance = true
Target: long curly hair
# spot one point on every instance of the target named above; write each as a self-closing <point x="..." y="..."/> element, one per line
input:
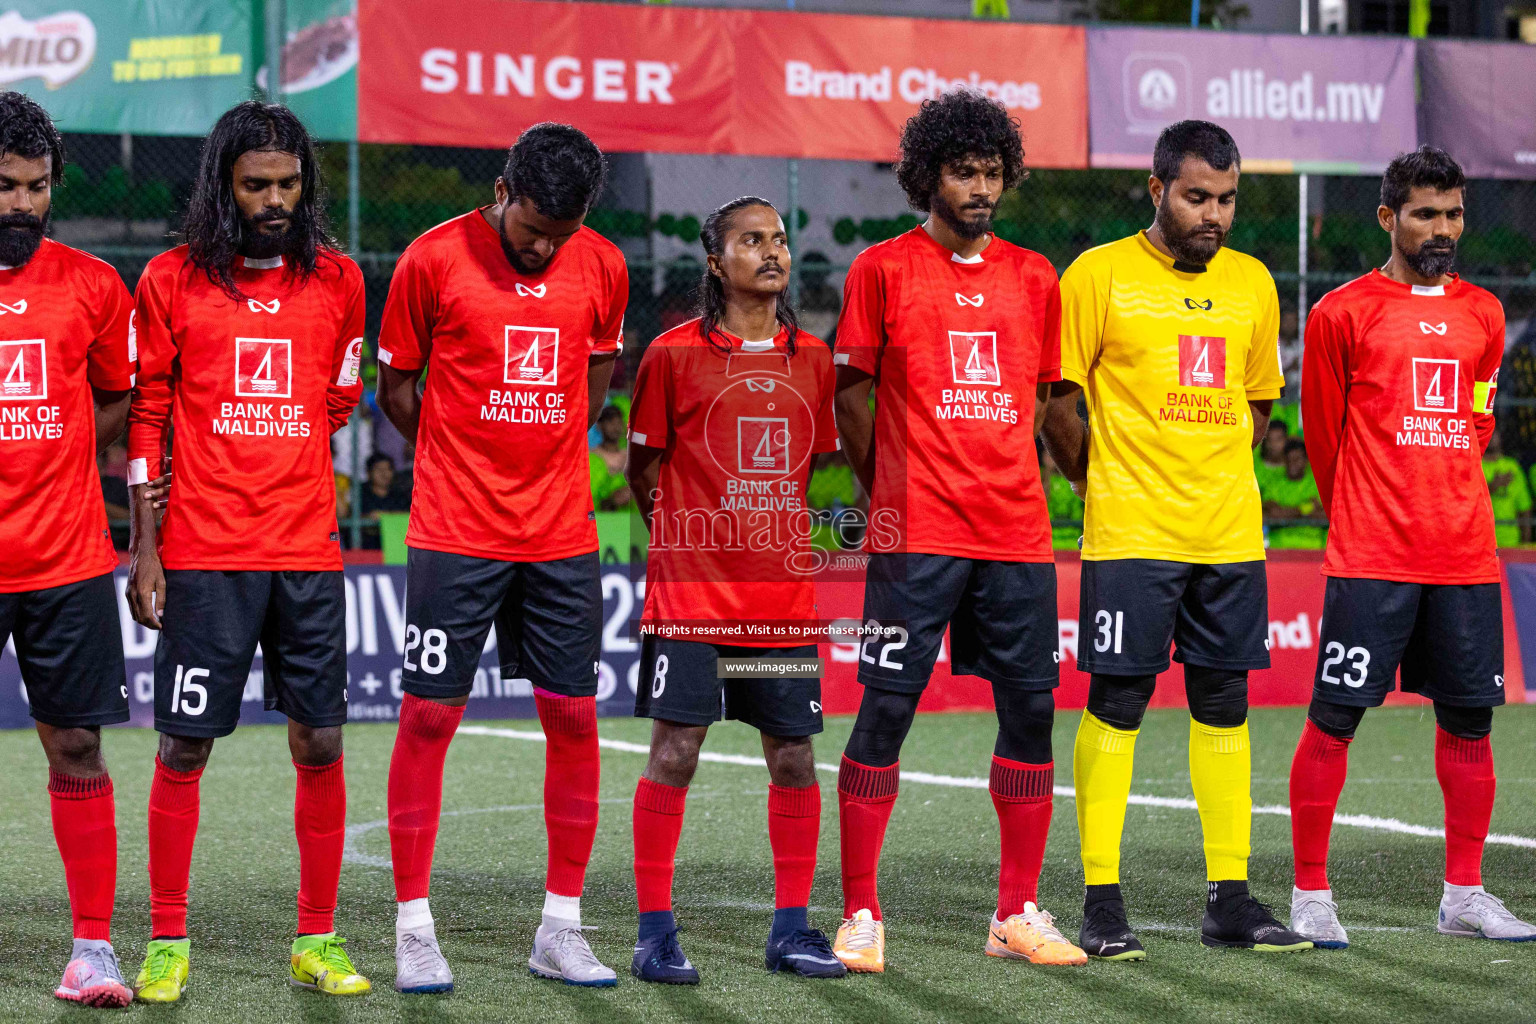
<point x="213" y="226"/>
<point x="711" y="298"/>
<point x="954" y="126"/>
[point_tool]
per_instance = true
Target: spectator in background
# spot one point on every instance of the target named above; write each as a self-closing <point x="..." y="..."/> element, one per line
<point x="1269" y="457"/>
<point x="112" y="465"/>
<point x="1290" y="496"/>
<point x="343" y="506"/>
<point x="834" y="490"/>
<point x="610" y="492"/>
<point x="381" y="493"/>
<point x="1064" y="507"/>
<point x="820" y="300"/>
<point x="1509" y="493"/>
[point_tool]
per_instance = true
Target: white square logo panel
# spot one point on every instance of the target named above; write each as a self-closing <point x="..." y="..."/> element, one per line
<point x="23" y="370"/>
<point x="263" y="368"/>
<point x="1436" y="385"/>
<point x="532" y="355"/>
<point x="973" y="358"/>
<point x="762" y="444"/>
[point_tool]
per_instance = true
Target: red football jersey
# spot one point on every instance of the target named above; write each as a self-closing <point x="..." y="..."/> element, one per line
<point x="1397" y="387"/>
<point x="957" y="349"/>
<point x="730" y="558"/>
<point x="254" y="390"/>
<point x="65" y="325"/>
<point x="501" y="449"/>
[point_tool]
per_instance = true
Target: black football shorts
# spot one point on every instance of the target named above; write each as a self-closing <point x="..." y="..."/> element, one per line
<point x="1001" y="618"/>
<point x="548" y="618"/>
<point x="211" y="625"/>
<point x="680" y="682"/>
<point x="69" y="643"/>
<point x="1132" y="609"/>
<point x="1448" y="642"/>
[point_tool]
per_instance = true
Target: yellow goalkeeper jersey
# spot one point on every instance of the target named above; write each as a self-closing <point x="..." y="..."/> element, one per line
<point x="1168" y="361"/>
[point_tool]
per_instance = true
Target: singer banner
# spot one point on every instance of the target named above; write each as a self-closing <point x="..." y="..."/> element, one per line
<point x="696" y="80"/>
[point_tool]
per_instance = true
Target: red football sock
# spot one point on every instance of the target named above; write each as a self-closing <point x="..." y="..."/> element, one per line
<point x="85" y="829"/>
<point x="865" y="798"/>
<point x="1465" y="771"/>
<point x="320" y="823"/>
<point x="658" y="821"/>
<point x="1317" y="778"/>
<point x="416" y="791"/>
<point x="1022" y="795"/>
<point x="570" y="788"/>
<point x="794" y="825"/>
<point x="173" y="810"/>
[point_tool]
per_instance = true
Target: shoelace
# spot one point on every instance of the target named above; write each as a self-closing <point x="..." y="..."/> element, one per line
<point x="1488" y="905"/>
<point x="813" y="938"/>
<point x="419" y="954"/>
<point x="334" y="957"/>
<point x="1045" y="926"/>
<point x="161" y="962"/>
<point x="1253" y="914"/>
<point x="865" y="935"/>
<point x="1109" y="913"/>
<point x="104" y="962"/>
<point x="574" y="949"/>
<point x="670" y="951"/>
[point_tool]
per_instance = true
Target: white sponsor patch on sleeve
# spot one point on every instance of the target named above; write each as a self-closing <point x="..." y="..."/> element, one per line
<point x="352" y="365"/>
<point x="138" y="471"/>
<point x="385" y="357"/>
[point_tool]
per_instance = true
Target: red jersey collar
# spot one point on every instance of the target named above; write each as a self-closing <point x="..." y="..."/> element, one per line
<point x="950" y="256"/>
<point x="1447" y="289"/>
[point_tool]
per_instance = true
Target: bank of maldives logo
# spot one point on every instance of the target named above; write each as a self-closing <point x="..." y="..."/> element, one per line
<point x="263" y="368"/>
<point x="1156" y="89"/>
<point x="55" y="47"/>
<point x="1202" y="361"/>
<point x="23" y="370"/>
<point x="1436" y="385"/>
<point x="531" y="355"/>
<point x="762" y="445"/>
<point x="973" y="358"/>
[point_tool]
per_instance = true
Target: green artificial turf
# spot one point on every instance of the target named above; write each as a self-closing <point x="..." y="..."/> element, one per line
<point x="938" y="884"/>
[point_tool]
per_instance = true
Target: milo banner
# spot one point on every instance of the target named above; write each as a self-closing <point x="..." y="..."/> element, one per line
<point x="1334" y="105"/>
<point x="1476" y="105"/>
<point x="376" y="647"/>
<point x="151" y="67"/>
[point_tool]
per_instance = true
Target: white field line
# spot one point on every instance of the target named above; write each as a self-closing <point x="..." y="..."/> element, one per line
<point x="959" y="782"/>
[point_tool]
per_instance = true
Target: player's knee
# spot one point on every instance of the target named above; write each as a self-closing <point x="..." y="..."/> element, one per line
<point x="674" y="753"/>
<point x="1337" y="720"/>
<point x="1464" y="723"/>
<point x="1218" y="697"/>
<point x="1024" y="720"/>
<point x="184" y="753"/>
<point x="74" y="751"/>
<point x="881" y="727"/>
<point x="1120" y="701"/>
<point x="791" y="760"/>
<point x="312" y="747"/>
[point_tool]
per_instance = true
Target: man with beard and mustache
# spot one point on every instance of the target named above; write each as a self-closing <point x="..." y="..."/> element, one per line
<point x="250" y="342"/>
<point x="519" y="309"/>
<point x="1397" y="387"/>
<point x="1173" y="341"/>
<point x="63" y="397"/>
<point x="958" y="332"/>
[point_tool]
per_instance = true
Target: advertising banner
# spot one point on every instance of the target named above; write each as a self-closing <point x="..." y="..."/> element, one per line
<point x="150" y="67"/>
<point x="1335" y="105"/>
<point x="376" y="646"/>
<point x="690" y="80"/>
<point x="1475" y="105"/>
<point x="320" y="65"/>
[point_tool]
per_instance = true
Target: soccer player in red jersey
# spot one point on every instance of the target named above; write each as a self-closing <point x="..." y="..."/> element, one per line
<point x="519" y="310"/>
<point x="729" y="413"/>
<point x="1398" y="379"/>
<point x="250" y="342"/>
<point x="63" y="396"/>
<point x="961" y="334"/>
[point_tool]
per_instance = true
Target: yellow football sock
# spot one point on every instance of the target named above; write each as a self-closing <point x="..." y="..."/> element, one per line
<point x="1101" y="770"/>
<point x="1221" y="771"/>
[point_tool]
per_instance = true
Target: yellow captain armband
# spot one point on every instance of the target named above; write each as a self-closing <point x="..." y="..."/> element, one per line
<point x="1483" y="392"/>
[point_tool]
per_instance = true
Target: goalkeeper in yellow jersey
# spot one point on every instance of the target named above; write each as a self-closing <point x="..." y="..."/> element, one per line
<point x="1173" y="341"/>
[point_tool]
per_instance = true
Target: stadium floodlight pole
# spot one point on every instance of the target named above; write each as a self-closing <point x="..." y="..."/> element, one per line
<point x="275" y="15"/>
<point x="1301" y="216"/>
<point x="1194" y="14"/>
